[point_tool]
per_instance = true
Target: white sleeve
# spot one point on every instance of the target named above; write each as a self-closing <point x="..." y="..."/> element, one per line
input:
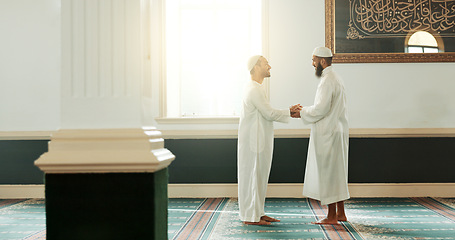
<point x="321" y="106"/>
<point x="260" y="101"/>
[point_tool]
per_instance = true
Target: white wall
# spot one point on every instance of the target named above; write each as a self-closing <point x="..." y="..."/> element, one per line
<point x="393" y="95"/>
<point x="29" y="65"/>
<point x="406" y="95"/>
<point x="102" y="57"/>
<point x="296" y="27"/>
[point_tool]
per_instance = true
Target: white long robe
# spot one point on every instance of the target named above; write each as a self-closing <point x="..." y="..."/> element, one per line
<point x="255" y="149"/>
<point x="326" y="173"/>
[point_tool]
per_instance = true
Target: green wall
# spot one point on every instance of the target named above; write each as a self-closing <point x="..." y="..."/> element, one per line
<point x="371" y="160"/>
<point x="16" y="161"/>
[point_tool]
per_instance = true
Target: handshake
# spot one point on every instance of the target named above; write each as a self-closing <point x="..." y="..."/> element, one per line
<point x="295" y="110"/>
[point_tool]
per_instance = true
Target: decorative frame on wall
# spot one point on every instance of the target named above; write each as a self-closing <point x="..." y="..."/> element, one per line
<point x="377" y="31"/>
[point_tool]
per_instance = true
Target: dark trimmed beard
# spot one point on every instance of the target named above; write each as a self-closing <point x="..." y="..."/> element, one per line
<point x="319" y="70"/>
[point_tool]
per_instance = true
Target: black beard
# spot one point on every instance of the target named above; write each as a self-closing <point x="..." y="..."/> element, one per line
<point x="319" y="70"/>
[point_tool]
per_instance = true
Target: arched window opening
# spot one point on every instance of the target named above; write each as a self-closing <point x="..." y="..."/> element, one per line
<point x="422" y="42"/>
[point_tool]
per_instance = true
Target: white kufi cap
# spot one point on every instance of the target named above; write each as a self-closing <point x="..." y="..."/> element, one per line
<point x="252" y="62"/>
<point x="322" y="52"/>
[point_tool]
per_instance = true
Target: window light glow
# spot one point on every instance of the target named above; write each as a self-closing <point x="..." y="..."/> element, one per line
<point x="207" y="45"/>
<point x="422" y="38"/>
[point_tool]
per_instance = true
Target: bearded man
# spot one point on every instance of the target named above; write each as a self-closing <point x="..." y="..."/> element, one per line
<point x="326" y="173"/>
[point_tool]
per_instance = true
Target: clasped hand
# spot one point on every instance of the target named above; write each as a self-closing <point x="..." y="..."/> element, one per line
<point x="295" y="110"/>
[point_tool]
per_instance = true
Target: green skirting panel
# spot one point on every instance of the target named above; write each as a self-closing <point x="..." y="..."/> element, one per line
<point x="106" y="206"/>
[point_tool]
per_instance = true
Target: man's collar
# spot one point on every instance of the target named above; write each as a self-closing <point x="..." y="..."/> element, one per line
<point x="260" y="84"/>
<point x="326" y="70"/>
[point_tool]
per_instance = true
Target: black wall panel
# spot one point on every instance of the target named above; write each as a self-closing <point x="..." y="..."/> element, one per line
<point x="371" y="160"/>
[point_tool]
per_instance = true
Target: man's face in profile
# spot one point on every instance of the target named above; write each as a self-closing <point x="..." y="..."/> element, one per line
<point x="265" y="67"/>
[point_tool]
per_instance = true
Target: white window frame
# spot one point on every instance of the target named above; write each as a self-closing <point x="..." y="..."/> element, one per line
<point x="163" y="118"/>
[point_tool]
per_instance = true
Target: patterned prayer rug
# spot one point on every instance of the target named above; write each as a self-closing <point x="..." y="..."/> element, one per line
<point x="22" y="219"/>
<point x="406" y="218"/>
<point x="217" y="219"/>
<point x="296" y="216"/>
<point x="193" y="218"/>
<point x="375" y="218"/>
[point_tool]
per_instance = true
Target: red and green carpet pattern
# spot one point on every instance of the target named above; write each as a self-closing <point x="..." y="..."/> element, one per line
<point x="217" y="219"/>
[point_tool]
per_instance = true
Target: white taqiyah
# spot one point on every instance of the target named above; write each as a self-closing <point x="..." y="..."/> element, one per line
<point x="322" y="52"/>
<point x="252" y="62"/>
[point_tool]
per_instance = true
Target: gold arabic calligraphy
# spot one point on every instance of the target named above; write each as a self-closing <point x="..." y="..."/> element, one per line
<point x="373" y="18"/>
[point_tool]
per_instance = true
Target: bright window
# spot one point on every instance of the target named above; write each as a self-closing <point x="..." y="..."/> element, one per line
<point x="208" y="43"/>
<point x="422" y="42"/>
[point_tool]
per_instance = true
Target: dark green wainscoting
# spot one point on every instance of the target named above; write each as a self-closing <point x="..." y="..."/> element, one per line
<point x="16" y="161"/>
<point x="371" y="160"/>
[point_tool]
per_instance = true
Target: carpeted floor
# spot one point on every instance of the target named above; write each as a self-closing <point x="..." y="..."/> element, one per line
<point x="22" y="219"/>
<point x="217" y="219"/>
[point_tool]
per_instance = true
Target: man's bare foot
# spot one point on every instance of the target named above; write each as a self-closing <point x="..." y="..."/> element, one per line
<point x="269" y="219"/>
<point x="260" y="223"/>
<point x="326" y="221"/>
<point x="342" y="218"/>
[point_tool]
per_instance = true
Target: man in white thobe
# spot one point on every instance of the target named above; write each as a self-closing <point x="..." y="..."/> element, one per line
<point x="255" y="144"/>
<point x="326" y="174"/>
